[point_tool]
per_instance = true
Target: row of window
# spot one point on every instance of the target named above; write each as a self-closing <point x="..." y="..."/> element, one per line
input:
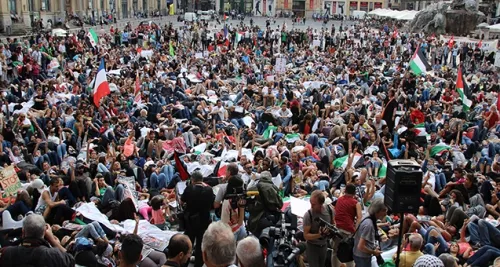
<point x="45" y="5"/>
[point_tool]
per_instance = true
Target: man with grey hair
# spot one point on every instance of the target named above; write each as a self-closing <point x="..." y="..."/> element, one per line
<point x="365" y="245"/>
<point x="39" y="247"/>
<point x="408" y="258"/>
<point x="249" y="253"/>
<point x="219" y="246"/>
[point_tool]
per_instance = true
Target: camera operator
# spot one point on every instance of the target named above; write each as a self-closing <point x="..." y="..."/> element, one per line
<point x="199" y="200"/>
<point x="233" y="208"/>
<point x="266" y="209"/>
<point x="365" y="240"/>
<point x="231" y="170"/>
<point x="347" y="211"/>
<point x="316" y="236"/>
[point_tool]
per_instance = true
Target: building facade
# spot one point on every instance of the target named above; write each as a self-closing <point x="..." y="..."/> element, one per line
<point x="27" y="11"/>
<point x="307" y="8"/>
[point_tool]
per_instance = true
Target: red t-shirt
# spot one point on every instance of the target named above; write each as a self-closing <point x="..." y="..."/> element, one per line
<point x="345" y="212"/>
<point x="493" y="119"/>
<point x="307" y="129"/>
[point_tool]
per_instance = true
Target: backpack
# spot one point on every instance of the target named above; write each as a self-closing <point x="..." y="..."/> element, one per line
<point x="83" y="243"/>
<point x="345" y="251"/>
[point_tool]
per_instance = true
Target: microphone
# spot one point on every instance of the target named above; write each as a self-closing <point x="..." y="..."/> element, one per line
<point x="252" y="193"/>
<point x="299" y="249"/>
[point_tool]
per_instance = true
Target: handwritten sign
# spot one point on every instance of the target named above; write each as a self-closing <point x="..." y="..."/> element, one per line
<point x="9" y="181"/>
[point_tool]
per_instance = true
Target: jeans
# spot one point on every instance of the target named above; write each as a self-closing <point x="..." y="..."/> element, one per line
<point x="111" y="194"/>
<point x="16" y="209"/>
<point x="102" y="168"/>
<point x="238" y="122"/>
<point x="484" y="233"/>
<point x="362" y="262"/>
<point x="483" y="256"/>
<point x="313" y="140"/>
<point x="428" y="239"/>
<point x="284" y="121"/>
<point x="93" y="230"/>
<point x="158" y="181"/>
<point x="61" y="151"/>
<point x="322" y="185"/>
<point x="240" y="233"/>
<point x="440" y="181"/>
<point x="65" y="194"/>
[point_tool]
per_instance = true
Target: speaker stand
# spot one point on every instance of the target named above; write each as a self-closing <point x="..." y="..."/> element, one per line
<point x="400" y="238"/>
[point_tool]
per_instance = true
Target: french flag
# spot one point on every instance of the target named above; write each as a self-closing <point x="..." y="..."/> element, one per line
<point x="101" y="86"/>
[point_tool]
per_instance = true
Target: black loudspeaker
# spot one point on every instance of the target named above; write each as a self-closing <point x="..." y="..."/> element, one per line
<point x="402" y="187"/>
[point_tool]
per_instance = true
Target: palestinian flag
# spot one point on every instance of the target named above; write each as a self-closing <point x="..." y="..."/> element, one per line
<point x="420" y="129"/>
<point x="181" y="167"/>
<point x="418" y="63"/>
<point x="268" y="133"/>
<point x="466" y="103"/>
<point x="439" y="149"/>
<point x="92" y="39"/>
<point x="225" y="17"/>
<point x="291" y="138"/>
<point x="342" y="162"/>
<point x="239" y="36"/>
<point x="286" y="203"/>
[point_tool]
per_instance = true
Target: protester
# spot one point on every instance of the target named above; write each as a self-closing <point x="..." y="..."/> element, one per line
<point x="290" y="111"/>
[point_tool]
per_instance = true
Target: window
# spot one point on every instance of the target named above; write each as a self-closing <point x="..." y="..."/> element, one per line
<point x="124" y="9"/>
<point x="46" y="5"/>
<point x="12" y="6"/>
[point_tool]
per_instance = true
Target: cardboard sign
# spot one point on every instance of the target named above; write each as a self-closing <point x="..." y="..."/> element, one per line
<point x="9" y="181"/>
<point x="280" y="66"/>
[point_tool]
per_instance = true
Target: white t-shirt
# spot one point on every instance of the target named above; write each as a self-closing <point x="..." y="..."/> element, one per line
<point x="219" y="111"/>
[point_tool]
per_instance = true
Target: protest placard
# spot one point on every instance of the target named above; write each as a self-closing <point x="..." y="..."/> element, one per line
<point x="9" y="181"/>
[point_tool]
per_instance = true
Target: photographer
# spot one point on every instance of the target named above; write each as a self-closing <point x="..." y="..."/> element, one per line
<point x="233" y="208"/>
<point x="315" y="235"/>
<point x="266" y="210"/>
<point x="365" y="240"/>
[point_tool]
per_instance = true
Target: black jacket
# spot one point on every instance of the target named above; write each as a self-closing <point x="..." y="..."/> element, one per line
<point x="35" y="256"/>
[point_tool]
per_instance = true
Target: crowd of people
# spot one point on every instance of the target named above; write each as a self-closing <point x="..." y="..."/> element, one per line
<point x="192" y="117"/>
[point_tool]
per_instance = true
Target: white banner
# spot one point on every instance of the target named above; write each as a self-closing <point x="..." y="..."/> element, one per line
<point x="150" y="234"/>
<point x="90" y="211"/>
<point x="497" y="59"/>
<point x="489" y="46"/>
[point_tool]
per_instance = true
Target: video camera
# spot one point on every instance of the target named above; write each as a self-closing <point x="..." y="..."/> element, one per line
<point x="280" y="243"/>
<point x="332" y="230"/>
<point x="237" y="196"/>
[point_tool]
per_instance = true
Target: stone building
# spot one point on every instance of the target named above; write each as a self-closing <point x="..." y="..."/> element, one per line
<point x="26" y="11"/>
<point x="331" y="7"/>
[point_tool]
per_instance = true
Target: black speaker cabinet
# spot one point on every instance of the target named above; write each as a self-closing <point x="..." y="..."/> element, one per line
<point x="403" y="184"/>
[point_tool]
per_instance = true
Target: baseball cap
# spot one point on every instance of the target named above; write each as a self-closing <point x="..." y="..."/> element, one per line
<point x="38" y="185"/>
